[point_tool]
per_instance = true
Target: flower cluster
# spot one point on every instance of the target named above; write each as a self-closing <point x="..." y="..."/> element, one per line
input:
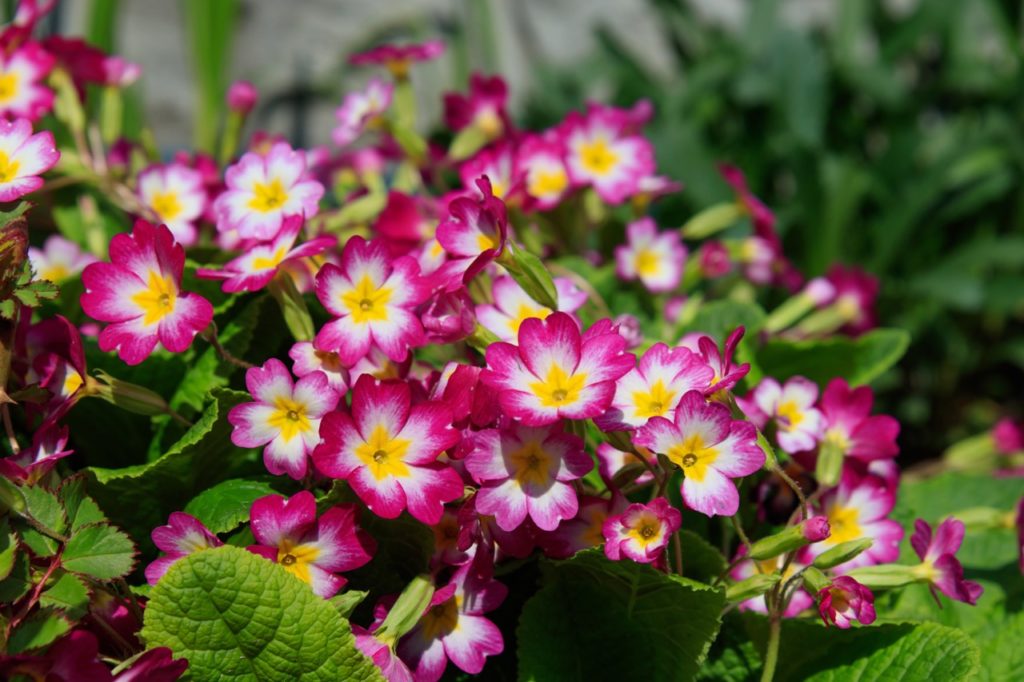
<point x="523" y="363"/>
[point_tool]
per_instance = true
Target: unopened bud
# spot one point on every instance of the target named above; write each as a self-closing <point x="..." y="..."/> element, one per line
<point x="712" y="220"/>
<point x="129" y="397"/>
<point x="406" y="612"/>
<point x="829" y="467"/>
<point x="886" y="576"/>
<point x="814" y="529"/>
<point x="841" y="553"/>
<point x="814" y="580"/>
<point x="751" y="587"/>
<point x="242" y="96"/>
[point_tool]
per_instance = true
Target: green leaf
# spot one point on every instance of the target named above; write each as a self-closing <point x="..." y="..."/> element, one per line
<point x="45" y="508"/>
<point x="1002" y="656"/>
<point x="718" y="319"/>
<point x="17" y="583"/>
<point x="598" y="619"/>
<point x="39" y="544"/>
<point x="701" y="561"/>
<point x="81" y="509"/>
<point x="140" y="498"/>
<point x="857" y="360"/>
<point x="38" y="630"/>
<point x="68" y="594"/>
<point x="211" y="27"/>
<point x="235" y="615"/>
<point x="225" y="506"/>
<point x="906" y="651"/>
<point x="733" y="656"/>
<point x="100" y="551"/>
<point x="8" y="548"/>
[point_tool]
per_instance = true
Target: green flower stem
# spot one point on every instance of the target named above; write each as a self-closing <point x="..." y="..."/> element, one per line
<point x="771" y="655"/>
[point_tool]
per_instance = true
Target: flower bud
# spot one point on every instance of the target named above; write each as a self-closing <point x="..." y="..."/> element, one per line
<point x="449" y="317"/>
<point x="406" y="612"/>
<point x="814" y="529"/>
<point x="712" y="220"/>
<point x="841" y="553"/>
<point x="886" y="576"/>
<point x="242" y="96"/>
<point x="751" y="587"/>
<point x="814" y="580"/>
<point x="629" y="329"/>
<point x="129" y="397"/>
<point x="829" y="467"/>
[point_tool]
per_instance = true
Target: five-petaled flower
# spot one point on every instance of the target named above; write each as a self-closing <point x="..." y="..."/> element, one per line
<point x="512" y="305"/>
<point x="183" y="535"/>
<point x="791" y="406"/>
<point x="939" y="566"/>
<point x="454" y="628"/>
<point x="360" y="109"/>
<point x="59" y="259"/>
<point x="21" y="90"/>
<point x="849" y="425"/>
<point x="263" y="190"/>
<point x="23" y="157"/>
<point x="387" y="450"/>
<point x="175" y="193"/>
<point x="603" y="151"/>
<point x="655" y="259"/>
<point x="555" y="372"/>
<point x="527" y="471"/>
<point x="642" y="532"/>
<point x="285" y="416"/>
<point x="313" y="550"/>
<point x="372" y="298"/>
<point x="254" y="269"/>
<point x="139" y="293"/>
<point x="710" y="447"/>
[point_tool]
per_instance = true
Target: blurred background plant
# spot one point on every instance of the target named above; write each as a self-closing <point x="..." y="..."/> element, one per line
<point x="883" y="133"/>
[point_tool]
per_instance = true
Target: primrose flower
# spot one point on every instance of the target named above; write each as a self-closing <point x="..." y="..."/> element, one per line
<point x="483" y="107"/>
<point x="263" y="190"/>
<point x="710" y="447"/>
<point x="33" y="463"/>
<point x="527" y="471"/>
<point x="475" y="231"/>
<point x="372" y="298"/>
<point x="792" y="407"/>
<point x="512" y="305"/>
<point x="313" y="550"/>
<point x="454" y="628"/>
<point x="398" y="58"/>
<point x="1007" y="435"/>
<point x="261" y="262"/>
<point x="285" y="417"/>
<point x="60" y="259"/>
<point x="22" y="73"/>
<point x="858" y="508"/>
<point x="655" y="387"/>
<point x="360" y="109"/>
<point x="845" y="600"/>
<point x="939" y="565"/>
<point x="176" y="194"/>
<point x="555" y="372"/>
<point x="391" y="667"/>
<point x="642" y="532"/>
<point x="585" y="530"/>
<point x="139" y="293"/>
<point x="183" y="535"/>
<point x="541" y="162"/>
<point x="387" y="449"/>
<point x="726" y="374"/>
<point x="760" y="215"/>
<point x="602" y="152"/>
<point x="849" y="426"/>
<point x="497" y="163"/>
<point x="23" y="156"/>
<point x="655" y="259"/>
<point x="856" y="292"/>
<point x="306" y="359"/>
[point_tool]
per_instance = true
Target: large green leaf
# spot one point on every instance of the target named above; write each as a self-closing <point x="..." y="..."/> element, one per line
<point x="140" y="498"/>
<point x="100" y="551"/>
<point x="225" y="506"/>
<point x="235" y="615"/>
<point x="857" y="360"/>
<point x="600" y="619"/>
<point x="1002" y="656"/>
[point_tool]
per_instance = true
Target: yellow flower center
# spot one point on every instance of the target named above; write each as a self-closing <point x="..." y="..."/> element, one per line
<point x="8" y="168"/>
<point x="546" y="183"/>
<point x="489" y="123"/>
<point x="441" y="619"/>
<point x="265" y="263"/>
<point x="383" y="454"/>
<point x="790" y="414"/>
<point x="289" y="417"/>
<point x="366" y="302"/>
<point x="485" y="242"/>
<point x="597" y="157"/>
<point x="647" y="263"/>
<point x="526" y="312"/>
<point x="166" y="205"/>
<point x="8" y="86"/>
<point x="297" y="558"/>
<point x="653" y="404"/>
<point x="532" y="465"/>
<point x="693" y="456"/>
<point x="837" y="439"/>
<point x="647" y="531"/>
<point x="843" y="521"/>
<point x="72" y="382"/>
<point x="56" y="273"/>
<point x="158" y="300"/>
<point x="559" y="388"/>
<point x="268" y="197"/>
